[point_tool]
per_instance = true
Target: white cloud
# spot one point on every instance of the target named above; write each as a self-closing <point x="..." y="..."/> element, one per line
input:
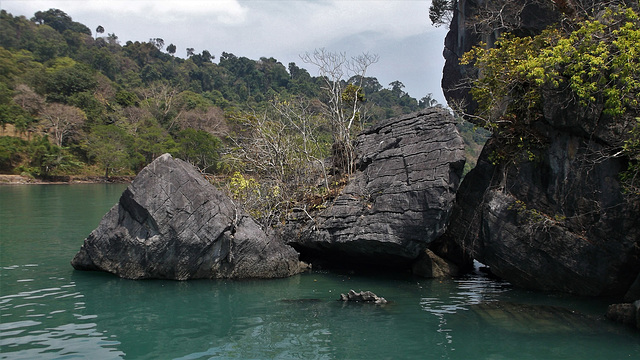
<point x="225" y="11"/>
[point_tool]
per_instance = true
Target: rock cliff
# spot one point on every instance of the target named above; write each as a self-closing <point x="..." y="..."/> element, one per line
<point x="170" y="223"/>
<point x="399" y="199"/>
<point x="561" y="222"/>
<point x="465" y="32"/>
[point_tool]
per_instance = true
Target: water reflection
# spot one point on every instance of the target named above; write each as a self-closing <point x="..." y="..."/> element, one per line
<point x="468" y="290"/>
<point x="44" y="324"/>
<point x="49" y="311"/>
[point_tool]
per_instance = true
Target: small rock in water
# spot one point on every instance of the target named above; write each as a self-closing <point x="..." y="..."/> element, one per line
<point x="363" y="296"/>
<point x="627" y="313"/>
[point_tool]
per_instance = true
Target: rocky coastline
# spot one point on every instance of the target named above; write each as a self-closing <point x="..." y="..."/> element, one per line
<point x="6" y="179"/>
<point x="560" y="223"/>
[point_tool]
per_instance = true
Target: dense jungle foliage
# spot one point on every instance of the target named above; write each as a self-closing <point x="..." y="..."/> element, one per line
<point x="71" y="102"/>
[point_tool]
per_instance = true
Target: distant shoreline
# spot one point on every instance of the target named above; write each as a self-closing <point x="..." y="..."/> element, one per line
<point x="66" y="180"/>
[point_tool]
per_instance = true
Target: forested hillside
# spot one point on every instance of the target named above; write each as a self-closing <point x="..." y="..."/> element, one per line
<point x="77" y="102"/>
<point x="74" y="101"/>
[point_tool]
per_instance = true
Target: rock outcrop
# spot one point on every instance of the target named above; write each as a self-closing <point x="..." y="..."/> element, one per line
<point x="363" y="296"/>
<point x="430" y="265"/>
<point x="561" y="222"/>
<point x="625" y="313"/>
<point x="399" y="199"/>
<point x="464" y="33"/>
<point x="170" y="223"/>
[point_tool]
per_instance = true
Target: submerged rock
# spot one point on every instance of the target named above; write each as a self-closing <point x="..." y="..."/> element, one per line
<point x="170" y="223"/>
<point x="430" y="265"/>
<point x="625" y="313"/>
<point x="528" y="318"/>
<point x="363" y="296"/>
<point x="398" y="200"/>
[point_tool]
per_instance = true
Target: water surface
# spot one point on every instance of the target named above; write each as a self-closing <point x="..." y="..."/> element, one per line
<point x="50" y="311"/>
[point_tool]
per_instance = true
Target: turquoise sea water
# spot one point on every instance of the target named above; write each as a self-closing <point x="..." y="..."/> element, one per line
<point x="50" y="311"/>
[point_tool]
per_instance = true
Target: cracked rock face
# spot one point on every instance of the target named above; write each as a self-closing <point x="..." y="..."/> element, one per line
<point x="170" y="223"/>
<point x="399" y="199"/>
<point x="561" y="222"/>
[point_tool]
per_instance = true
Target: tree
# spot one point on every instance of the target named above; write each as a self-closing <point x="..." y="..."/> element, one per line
<point x="171" y="49"/>
<point x="99" y="30"/>
<point x="47" y="159"/>
<point x="48" y="44"/>
<point x="12" y="152"/>
<point x="112" y="39"/>
<point x="68" y="80"/>
<point x="427" y="101"/>
<point x="28" y="99"/>
<point x="441" y="12"/>
<point x="62" y="121"/>
<point x="333" y="68"/>
<point x="160" y="98"/>
<point x="151" y="141"/>
<point x="199" y="148"/>
<point x="211" y="120"/>
<point x="396" y="88"/>
<point x="59" y="20"/>
<point x="108" y="145"/>
<point x="127" y="98"/>
<point x="157" y="42"/>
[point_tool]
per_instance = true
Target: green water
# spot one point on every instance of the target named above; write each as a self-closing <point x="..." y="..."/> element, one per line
<point x="50" y="311"/>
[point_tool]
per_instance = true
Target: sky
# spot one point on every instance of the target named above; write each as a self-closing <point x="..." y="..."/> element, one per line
<point x="398" y="31"/>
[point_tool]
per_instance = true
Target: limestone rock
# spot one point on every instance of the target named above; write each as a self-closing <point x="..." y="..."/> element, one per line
<point x="400" y="197"/>
<point x="170" y="223"/>
<point x="561" y="222"/>
<point x="363" y="296"/>
<point x="430" y="265"/>
<point x="462" y="36"/>
<point x="625" y="313"/>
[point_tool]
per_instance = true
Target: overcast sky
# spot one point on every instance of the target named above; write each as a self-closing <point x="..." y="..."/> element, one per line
<point x="399" y="31"/>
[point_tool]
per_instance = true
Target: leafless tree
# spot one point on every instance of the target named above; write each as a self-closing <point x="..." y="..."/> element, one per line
<point x="28" y="99"/>
<point x="343" y="103"/>
<point x="63" y="121"/>
<point x="160" y="99"/>
<point x="280" y="150"/>
<point x="212" y="121"/>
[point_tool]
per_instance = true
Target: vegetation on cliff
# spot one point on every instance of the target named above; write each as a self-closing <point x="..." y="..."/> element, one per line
<point x="588" y="61"/>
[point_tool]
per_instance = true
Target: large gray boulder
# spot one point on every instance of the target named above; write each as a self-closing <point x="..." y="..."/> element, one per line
<point x="170" y="223"/>
<point x="400" y="197"/>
